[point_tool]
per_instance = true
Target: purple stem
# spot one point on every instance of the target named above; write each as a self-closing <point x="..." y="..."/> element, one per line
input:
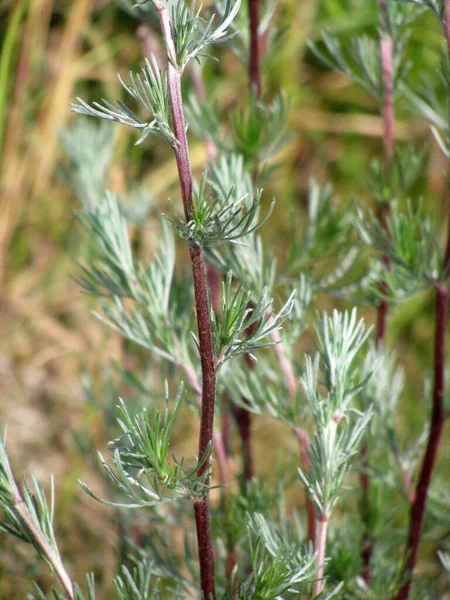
<point x="386" y="47"/>
<point x="241" y="415"/>
<point x="254" y="61"/>
<point x="201" y="507"/>
<point x="438" y="415"/>
<point x="437" y="424"/>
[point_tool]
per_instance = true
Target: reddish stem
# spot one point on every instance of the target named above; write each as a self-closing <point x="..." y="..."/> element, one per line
<point x="205" y="547"/>
<point x="201" y="507"/>
<point x="321" y="542"/>
<point x="254" y="60"/>
<point x="241" y="415"/>
<point x="438" y="416"/>
<point x="437" y="424"/>
<point x="386" y="53"/>
<point x="409" y="488"/>
<point x="447" y="37"/>
<point x="244" y="423"/>
<point x="386" y="50"/>
<point x="367" y="547"/>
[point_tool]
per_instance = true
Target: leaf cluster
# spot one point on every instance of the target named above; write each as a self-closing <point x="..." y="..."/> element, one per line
<point x="410" y="242"/>
<point x="192" y="33"/>
<point x="242" y="324"/>
<point x="279" y="564"/>
<point x="362" y="61"/>
<point x="142" y="468"/>
<point x="150" y="90"/>
<point x="216" y="220"/>
<point x="256" y="130"/>
<point x="387" y="184"/>
<point x="437" y="6"/>
<point x="89" y="149"/>
<point x="325" y="250"/>
<point x="339" y="426"/>
<point x="157" y="320"/>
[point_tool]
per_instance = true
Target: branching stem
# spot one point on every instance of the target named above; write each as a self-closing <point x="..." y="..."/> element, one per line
<point x="201" y="507"/>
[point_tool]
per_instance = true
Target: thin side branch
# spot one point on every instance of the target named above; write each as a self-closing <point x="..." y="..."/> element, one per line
<point x="321" y="541"/>
<point x="386" y="53"/>
<point x="46" y="549"/>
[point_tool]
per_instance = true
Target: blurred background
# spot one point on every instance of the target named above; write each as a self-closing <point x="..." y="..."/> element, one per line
<point x="52" y="52"/>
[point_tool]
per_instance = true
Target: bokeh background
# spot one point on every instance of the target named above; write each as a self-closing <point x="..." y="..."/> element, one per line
<point x="53" y="51"/>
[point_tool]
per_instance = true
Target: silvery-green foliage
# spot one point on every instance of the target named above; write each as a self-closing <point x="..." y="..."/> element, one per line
<point x="112" y="272"/>
<point x="143" y="470"/>
<point x="158" y="318"/>
<point x="257" y="129"/>
<point x="339" y="426"/>
<point x="390" y="457"/>
<point x="325" y="250"/>
<point x="193" y="34"/>
<point x="243" y="322"/>
<point x="204" y="122"/>
<point x="177" y="578"/>
<point x="445" y="561"/>
<point x="262" y="390"/>
<point x="151" y="92"/>
<point x="384" y="387"/>
<point x="413" y="266"/>
<point x="426" y="100"/>
<point x="437" y="6"/>
<point x="41" y="512"/>
<point x="78" y="593"/>
<point x="217" y="220"/>
<point x="28" y="516"/>
<point x="438" y="513"/>
<point x="228" y="176"/>
<point x="248" y="262"/>
<point x="362" y="62"/>
<point x="240" y="40"/>
<point x="142" y="11"/>
<point x="137" y="583"/>
<point x="89" y="149"/>
<point x="388" y="184"/>
<point x="279" y="564"/>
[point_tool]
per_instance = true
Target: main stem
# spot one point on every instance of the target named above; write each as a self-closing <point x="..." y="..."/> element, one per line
<point x="254" y="60"/>
<point x="437" y="416"/>
<point x="201" y="507"/>
<point x="437" y="424"/>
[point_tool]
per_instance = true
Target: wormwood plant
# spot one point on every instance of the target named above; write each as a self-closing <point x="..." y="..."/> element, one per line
<point x="228" y="334"/>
